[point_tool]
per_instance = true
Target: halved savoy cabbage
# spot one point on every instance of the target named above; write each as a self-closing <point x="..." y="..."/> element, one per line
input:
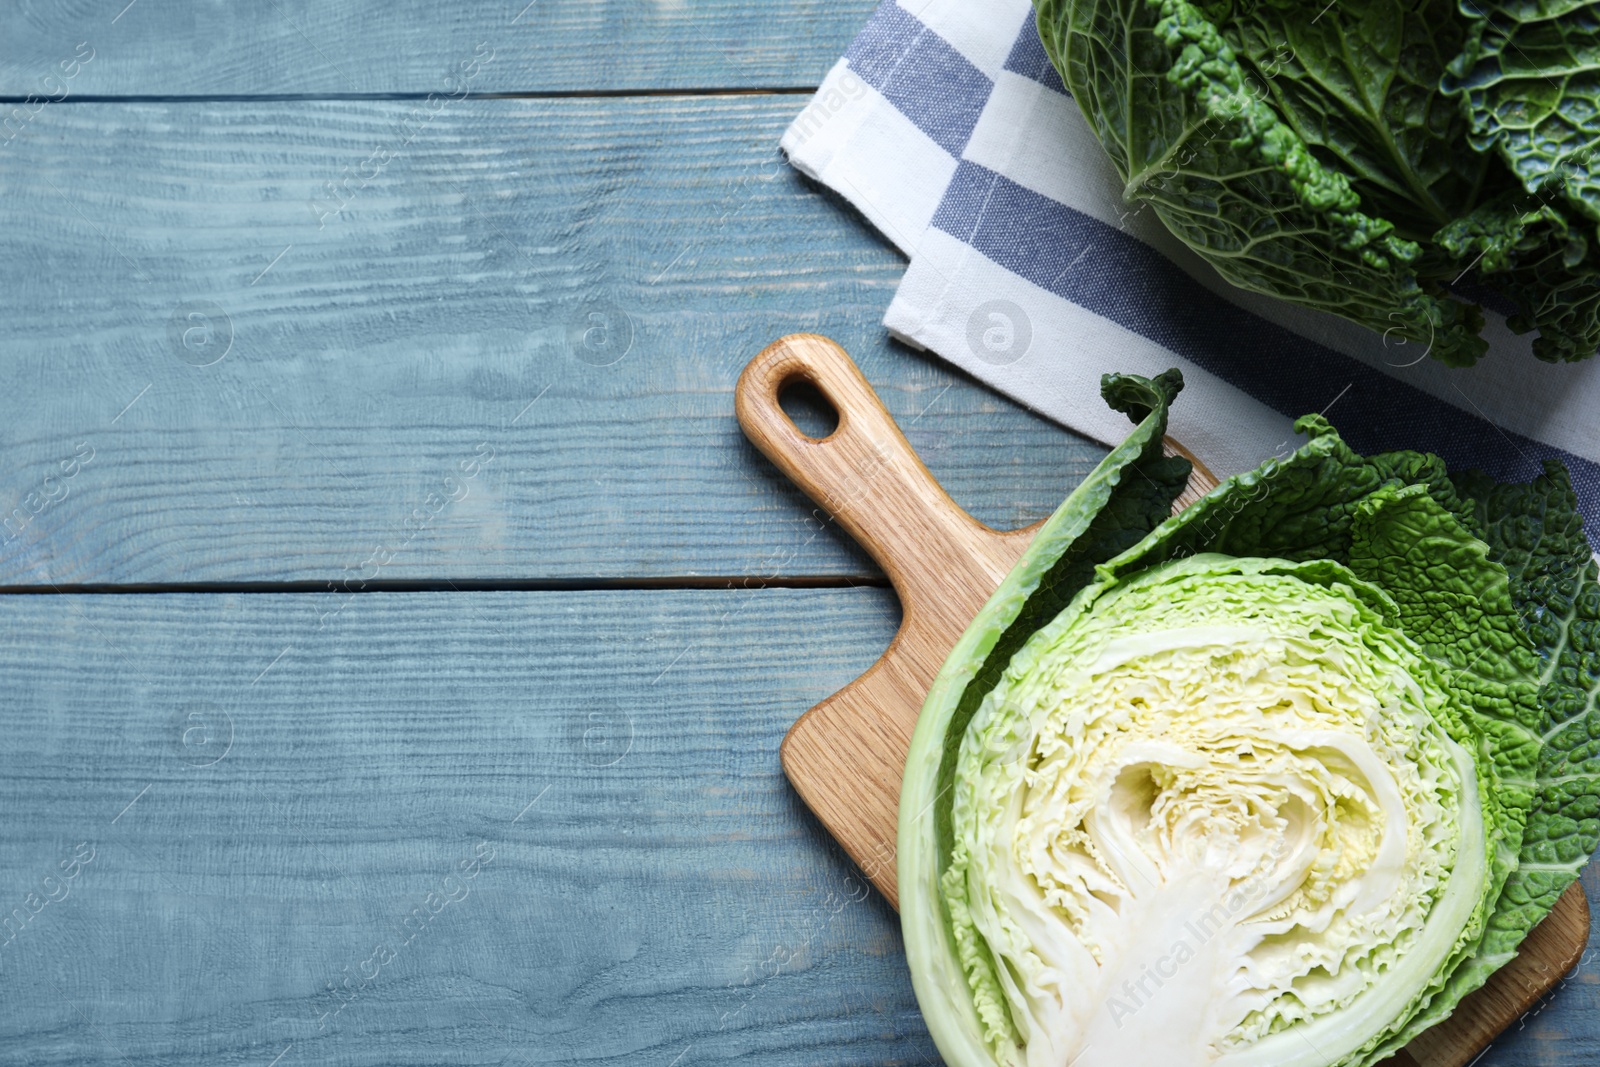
<point x="1275" y="781"/>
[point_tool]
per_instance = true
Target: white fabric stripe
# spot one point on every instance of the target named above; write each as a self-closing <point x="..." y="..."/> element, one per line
<point x="943" y="304"/>
<point x="858" y="144"/>
<point x="983" y="32"/>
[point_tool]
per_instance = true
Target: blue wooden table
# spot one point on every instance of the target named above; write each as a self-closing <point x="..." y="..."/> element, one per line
<point x="397" y="630"/>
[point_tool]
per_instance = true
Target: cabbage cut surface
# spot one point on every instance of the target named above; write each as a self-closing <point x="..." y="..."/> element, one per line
<point x="1217" y="801"/>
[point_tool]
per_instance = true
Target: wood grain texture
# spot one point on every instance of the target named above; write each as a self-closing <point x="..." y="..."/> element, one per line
<point x="173" y="47"/>
<point x="467" y="297"/>
<point x="261" y="824"/>
<point x="846" y="755"/>
<point x="1551" y="951"/>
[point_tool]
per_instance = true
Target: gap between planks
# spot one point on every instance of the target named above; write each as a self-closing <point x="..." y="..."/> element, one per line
<point x="700" y="583"/>
<point x="336" y="98"/>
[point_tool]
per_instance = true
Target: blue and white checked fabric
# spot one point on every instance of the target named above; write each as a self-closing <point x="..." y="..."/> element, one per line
<point x="947" y="127"/>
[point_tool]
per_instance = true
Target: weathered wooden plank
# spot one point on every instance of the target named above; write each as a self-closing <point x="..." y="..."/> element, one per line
<point x="269" y="788"/>
<point x="170" y="47"/>
<point x="509" y="354"/>
<point x="580" y="792"/>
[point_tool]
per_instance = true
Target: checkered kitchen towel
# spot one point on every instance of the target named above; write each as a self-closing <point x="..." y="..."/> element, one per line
<point x="946" y="125"/>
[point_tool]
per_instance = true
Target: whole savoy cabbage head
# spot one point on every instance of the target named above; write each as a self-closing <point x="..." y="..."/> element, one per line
<point x="1363" y="156"/>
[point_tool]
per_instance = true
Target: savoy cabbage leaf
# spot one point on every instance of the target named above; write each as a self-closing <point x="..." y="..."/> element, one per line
<point x="1530" y="79"/>
<point x="1361" y="157"/>
<point x="1535" y="533"/>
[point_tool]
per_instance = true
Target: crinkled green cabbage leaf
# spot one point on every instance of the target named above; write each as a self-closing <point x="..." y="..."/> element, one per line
<point x="1362" y="157"/>
<point x="1277" y="780"/>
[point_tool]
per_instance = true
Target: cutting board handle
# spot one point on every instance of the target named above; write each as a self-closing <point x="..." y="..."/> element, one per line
<point x="865" y="473"/>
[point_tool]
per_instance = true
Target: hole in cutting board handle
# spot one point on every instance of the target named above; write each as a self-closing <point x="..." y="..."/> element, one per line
<point x="808" y="407"/>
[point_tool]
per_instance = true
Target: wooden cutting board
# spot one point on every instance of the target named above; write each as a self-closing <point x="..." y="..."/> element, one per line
<point x="845" y="756"/>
